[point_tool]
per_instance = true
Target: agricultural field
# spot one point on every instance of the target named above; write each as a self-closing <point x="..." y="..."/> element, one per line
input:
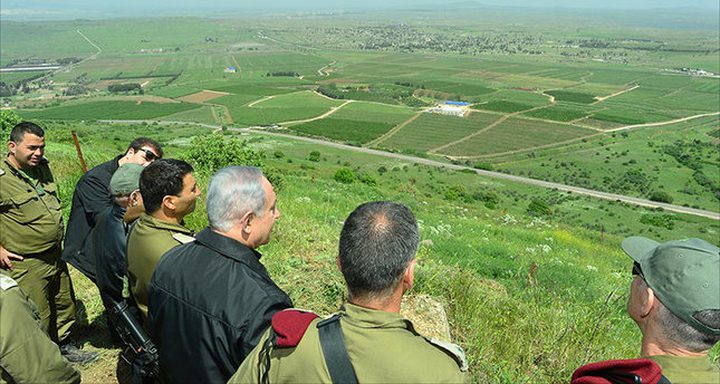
<point x="515" y="134"/>
<point x="430" y="131"/>
<point x="356" y="123"/>
<point x="278" y="109"/>
<point x="108" y="110"/>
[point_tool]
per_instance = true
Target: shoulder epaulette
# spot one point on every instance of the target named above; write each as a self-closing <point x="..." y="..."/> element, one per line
<point x="454" y="350"/>
<point x="290" y="325"/>
<point x="6" y="282"/>
<point x="183" y="238"/>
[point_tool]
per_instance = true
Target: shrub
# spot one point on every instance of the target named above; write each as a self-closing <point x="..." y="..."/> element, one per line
<point x="345" y="175"/>
<point x="538" y="207"/>
<point x="211" y="152"/>
<point x="8" y="119"/>
<point x="367" y="179"/>
<point x="661" y="196"/>
<point x="314" y="156"/>
<point x="278" y="154"/>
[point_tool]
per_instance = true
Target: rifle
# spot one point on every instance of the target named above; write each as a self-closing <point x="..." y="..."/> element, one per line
<point x="146" y="363"/>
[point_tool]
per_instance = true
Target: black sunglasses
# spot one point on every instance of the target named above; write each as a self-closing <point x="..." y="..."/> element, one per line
<point x="149" y="155"/>
<point x="637" y="271"/>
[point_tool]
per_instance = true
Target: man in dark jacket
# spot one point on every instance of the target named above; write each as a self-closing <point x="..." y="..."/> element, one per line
<point x="211" y="299"/>
<point x="92" y="196"/>
<point x="107" y="241"/>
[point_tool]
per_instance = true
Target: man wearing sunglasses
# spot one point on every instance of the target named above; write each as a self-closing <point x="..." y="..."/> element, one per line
<point x="675" y="301"/>
<point x="92" y="196"/>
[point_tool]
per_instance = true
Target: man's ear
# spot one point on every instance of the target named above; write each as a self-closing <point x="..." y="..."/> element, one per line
<point x="11" y="147"/>
<point x="130" y="152"/>
<point x="409" y="276"/>
<point x="648" y="302"/>
<point x="246" y="222"/>
<point x="169" y="202"/>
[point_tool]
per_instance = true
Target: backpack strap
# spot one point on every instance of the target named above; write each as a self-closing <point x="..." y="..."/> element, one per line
<point x="334" y="351"/>
<point x="663" y="380"/>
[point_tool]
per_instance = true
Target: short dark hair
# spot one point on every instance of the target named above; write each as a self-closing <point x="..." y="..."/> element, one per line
<point x="162" y="178"/>
<point x="146" y="141"/>
<point x="19" y="130"/>
<point x="377" y="243"/>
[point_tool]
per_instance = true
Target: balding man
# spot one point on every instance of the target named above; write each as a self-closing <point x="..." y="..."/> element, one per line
<point x="211" y="299"/>
<point x="368" y="341"/>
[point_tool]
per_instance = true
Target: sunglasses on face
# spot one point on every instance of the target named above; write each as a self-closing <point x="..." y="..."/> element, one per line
<point x="637" y="271"/>
<point x="149" y="155"/>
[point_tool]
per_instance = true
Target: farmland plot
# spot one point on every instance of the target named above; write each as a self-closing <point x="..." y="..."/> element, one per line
<point x="107" y="110"/>
<point x="516" y="134"/>
<point x="429" y="131"/>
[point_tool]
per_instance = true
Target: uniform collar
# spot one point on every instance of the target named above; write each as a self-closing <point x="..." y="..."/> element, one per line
<point x="228" y="247"/>
<point x="372" y="318"/>
<point x="152" y="222"/>
<point x="691" y="363"/>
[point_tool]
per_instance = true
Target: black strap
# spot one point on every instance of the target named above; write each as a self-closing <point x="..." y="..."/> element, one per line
<point x="663" y="380"/>
<point x="336" y="357"/>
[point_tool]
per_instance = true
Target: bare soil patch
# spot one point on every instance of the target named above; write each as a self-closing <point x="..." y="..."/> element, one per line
<point x="202" y="96"/>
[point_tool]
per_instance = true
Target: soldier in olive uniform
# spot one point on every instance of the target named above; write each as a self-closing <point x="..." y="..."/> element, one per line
<point x="31" y="230"/>
<point x="377" y="259"/>
<point x="168" y="190"/>
<point x="27" y="355"/>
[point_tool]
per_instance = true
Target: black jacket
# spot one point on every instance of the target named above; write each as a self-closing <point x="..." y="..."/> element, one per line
<point x="107" y="246"/>
<point x="210" y="302"/>
<point x="92" y="196"/>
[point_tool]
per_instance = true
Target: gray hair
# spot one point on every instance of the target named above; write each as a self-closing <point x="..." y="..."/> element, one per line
<point x="684" y="335"/>
<point x="378" y="241"/>
<point x="233" y="192"/>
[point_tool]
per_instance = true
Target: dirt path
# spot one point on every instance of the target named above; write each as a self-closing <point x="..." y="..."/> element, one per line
<point x="322" y="72"/>
<point x="661" y="123"/>
<point x="237" y="65"/>
<point x="618" y="93"/>
<point x="261" y="100"/>
<point x="392" y="131"/>
<point x="324" y="115"/>
<point x="434" y="163"/>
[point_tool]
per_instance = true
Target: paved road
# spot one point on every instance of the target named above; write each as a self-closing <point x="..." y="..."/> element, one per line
<point x="433" y="163"/>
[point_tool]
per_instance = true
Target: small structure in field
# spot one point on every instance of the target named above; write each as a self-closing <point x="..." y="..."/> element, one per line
<point x="451" y="108"/>
<point x="230" y="70"/>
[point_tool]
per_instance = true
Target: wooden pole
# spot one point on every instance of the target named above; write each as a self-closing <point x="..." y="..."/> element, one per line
<point x="79" y="152"/>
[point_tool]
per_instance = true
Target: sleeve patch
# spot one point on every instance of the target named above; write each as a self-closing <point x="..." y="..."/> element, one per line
<point x="183" y="238"/>
<point x="453" y="350"/>
<point x="6" y="282"/>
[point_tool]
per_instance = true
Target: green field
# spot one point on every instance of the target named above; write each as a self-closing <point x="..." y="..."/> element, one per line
<point x="502" y="106"/>
<point x="357" y="123"/>
<point x="516" y="134"/>
<point x="429" y="131"/>
<point x="108" y="110"/>
<point x="282" y="108"/>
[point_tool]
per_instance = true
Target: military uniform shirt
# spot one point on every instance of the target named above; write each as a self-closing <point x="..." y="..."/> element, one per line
<point x="30" y="216"/>
<point x="27" y="355"/>
<point x="149" y="239"/>
<point x="382" y="346"/>
<point x="687" y="369"/>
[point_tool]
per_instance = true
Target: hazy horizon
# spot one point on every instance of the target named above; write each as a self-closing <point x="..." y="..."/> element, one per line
<point x="70" y="9"/>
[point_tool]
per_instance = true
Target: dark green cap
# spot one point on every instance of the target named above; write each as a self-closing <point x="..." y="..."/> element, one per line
<point x="684" y="274"/>
<point x="126" y="179"/>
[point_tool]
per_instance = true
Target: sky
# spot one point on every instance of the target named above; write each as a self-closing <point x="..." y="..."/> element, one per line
<point x="64" y="9"/>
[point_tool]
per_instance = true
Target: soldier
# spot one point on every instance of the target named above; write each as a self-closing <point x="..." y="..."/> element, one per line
<point x="92" y="196"/>
<point x="368" y="340"/>
<point x="31" y="232"/>
<point x="212" y="299"/>
<point x="27" y="355"/>
<point x="169" y="191"/>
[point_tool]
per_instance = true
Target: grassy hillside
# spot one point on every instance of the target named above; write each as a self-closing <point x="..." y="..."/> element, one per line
<point x="529" y="298"/>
